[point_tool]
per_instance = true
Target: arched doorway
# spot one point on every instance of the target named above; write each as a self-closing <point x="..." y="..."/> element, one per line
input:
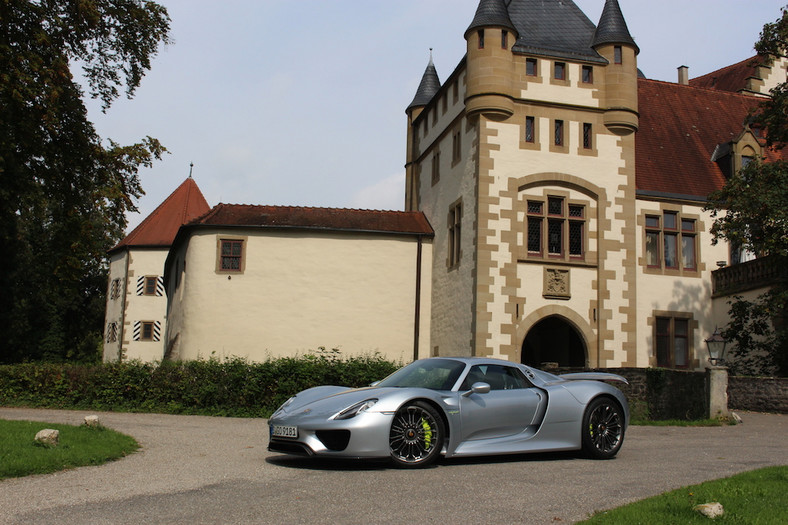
<point x="554" y="340"/>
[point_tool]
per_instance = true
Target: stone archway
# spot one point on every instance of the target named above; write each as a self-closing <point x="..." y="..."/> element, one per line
<point x="554" y="340"/>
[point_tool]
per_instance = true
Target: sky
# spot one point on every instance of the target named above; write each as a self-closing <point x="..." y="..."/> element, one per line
<point x="302" y="103"/>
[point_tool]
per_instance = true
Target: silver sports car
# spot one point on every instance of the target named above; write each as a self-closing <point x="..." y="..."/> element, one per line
<point x="455" y="407"/>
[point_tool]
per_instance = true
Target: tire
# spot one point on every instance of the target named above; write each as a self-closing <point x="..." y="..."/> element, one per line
<point x="416" y="435"/>
<point x="603" y="428"/>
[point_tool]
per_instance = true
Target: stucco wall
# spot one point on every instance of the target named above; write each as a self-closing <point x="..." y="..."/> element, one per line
<point x="141" y="308"/>
<point x="299" y="291"/>
<point x="678" y="291"/>
<point x="130" y="308"/>
<point x="114" y="308"/>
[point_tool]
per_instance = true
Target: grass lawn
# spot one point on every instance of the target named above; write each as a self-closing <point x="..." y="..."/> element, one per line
<point x="20" y="455"/>
<point x="752" y="498"/>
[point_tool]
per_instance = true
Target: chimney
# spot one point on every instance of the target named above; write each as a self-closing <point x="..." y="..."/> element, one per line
<point x="683" y="75"/>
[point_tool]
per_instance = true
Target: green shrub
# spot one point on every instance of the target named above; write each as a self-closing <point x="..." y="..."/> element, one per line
<point x="229" y="387"/>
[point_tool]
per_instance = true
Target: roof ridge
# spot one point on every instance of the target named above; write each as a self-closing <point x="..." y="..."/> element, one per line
<point x="701" y="88"/>
<point x="727" y="68"/>
<point x="297" y="207"/>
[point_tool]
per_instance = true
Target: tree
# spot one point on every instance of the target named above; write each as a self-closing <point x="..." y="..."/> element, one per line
<point x="751" y="211"/>
<point x="63" y="193"/>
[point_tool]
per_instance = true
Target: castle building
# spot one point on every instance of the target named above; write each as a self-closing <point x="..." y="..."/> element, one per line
<point x="136" y="300"/>
<point x="554" y="214"/>
<point x="567" y="191"/>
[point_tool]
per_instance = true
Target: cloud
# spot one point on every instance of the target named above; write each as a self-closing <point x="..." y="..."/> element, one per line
<point x="385" y="194"/>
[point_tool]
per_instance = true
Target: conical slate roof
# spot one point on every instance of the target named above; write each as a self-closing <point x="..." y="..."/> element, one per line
<point x="158" y="229"/>
<point x="553" y="28"/>
<point x="491" y="13"/>
<point x="612" y="28"/>
<point x="430" y="84"/>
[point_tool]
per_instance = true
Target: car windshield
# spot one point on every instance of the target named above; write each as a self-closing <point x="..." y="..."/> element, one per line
<point x="436" y="374"/>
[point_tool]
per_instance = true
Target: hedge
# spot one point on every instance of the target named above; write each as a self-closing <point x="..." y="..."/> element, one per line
<point x="230" y="387"/>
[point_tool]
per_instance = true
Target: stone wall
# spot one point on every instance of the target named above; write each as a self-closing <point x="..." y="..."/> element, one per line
<point x="658" y="393"/>
<point x="760" y="394"/>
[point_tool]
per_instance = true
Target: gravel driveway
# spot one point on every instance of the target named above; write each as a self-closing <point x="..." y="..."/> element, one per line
<point x="195" y="469"/>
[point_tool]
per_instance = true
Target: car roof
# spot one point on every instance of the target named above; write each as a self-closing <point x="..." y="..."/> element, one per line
<point x="476" y="360"/>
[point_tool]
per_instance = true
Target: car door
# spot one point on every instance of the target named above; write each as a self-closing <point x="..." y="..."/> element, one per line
<point x="507" y="409"/>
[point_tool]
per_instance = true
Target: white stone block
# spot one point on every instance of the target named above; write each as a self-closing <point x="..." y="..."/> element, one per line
<point x="710" y="510"/>
<point x="48" y="436"/>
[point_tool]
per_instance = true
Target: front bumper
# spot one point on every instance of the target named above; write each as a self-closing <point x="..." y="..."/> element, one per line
<point x="363" y="436"/>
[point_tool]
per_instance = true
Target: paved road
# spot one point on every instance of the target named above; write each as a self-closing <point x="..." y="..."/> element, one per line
<point x="194" y="469"/>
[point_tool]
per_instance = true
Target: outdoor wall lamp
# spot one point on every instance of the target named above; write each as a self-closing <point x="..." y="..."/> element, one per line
<point x="716" y="345"/>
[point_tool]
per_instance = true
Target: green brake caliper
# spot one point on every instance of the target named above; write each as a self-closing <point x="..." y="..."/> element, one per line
<point x="427" y="433"/>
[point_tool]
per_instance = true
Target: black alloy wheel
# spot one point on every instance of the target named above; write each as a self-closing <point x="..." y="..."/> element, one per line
<point x="603" y="428"/>
<point x="416" y="436"/>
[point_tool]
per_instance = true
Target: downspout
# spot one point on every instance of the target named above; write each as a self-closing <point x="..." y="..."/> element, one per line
<point x="123" y="306"/>
<point x="417" y="313"/>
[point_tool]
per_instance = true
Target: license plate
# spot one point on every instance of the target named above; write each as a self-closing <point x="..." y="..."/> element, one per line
<point x="284" y="431"/>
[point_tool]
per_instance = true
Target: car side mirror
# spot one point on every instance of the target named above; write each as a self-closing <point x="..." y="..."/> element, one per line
<point x="478" y="388"/>
<point x="374" y="384"/>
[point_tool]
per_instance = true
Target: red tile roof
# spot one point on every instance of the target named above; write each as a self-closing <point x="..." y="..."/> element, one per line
<point x="244" y="215"/>
<point x="159" y="228"/>
<point x="680" y="126"/>
<point x="732" y="78"/>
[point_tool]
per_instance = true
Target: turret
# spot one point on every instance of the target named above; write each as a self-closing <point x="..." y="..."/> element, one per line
<point x="613" y="41"/>
<point x="489" y="71"/>
<point x="428" y="87"/>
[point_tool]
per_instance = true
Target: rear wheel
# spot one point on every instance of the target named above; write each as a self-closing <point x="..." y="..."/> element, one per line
<point x="603" y="428"/>
<point x="416" y="436"/>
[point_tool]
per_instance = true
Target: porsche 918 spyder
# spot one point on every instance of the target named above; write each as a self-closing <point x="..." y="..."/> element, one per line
<point x="455" y="407"/>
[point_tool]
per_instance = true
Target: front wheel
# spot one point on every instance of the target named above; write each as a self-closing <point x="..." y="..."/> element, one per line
<point x="603" y="428"/>
<point x="416" y="436"/>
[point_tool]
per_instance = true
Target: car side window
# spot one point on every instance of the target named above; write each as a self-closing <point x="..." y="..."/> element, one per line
<point x="499" y="377"/>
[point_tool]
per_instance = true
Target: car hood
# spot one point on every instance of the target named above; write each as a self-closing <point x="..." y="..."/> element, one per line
<point x="328" y="400"/>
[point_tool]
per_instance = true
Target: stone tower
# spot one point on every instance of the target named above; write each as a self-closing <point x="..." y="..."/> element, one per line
<point x="523" y="162"/>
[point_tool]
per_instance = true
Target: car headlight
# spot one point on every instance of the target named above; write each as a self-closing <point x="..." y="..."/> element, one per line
<point x="354" y="410"/>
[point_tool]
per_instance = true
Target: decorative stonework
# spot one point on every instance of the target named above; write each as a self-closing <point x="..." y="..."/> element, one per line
<point x="556" y="284"/>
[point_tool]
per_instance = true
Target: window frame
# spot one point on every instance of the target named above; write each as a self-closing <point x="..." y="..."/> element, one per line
<point x="454" y="244"/>
<point x="114" y="289"/>
<point x="618" y="55"/>
<point x="530" y="129"/>
<point x="543" y="222"/>
<point x="668" y="340"/>
<point x="588" y="135"/>
<point x="559" y="66"/>
<point x="436" y="167"/>
<point x="456" y="145"/>
<point x="149" y="285"/>
<point x="147" y="330"/>
<point x="587" y="74"/>
<point x="670" y="242"/>
<point x="558" y="133"/>
<point x="531" y="64"/>
<point x="220" y="257"/>
<point x="112" y="332"/>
